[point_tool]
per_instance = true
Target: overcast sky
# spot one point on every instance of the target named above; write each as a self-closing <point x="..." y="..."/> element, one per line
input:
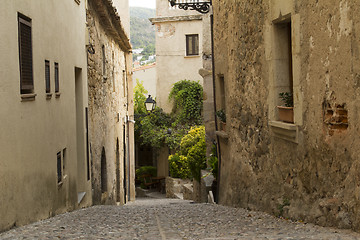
<point x="142" y="3"/>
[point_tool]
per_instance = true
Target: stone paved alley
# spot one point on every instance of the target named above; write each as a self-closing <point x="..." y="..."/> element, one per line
<point x="171" y="219"/>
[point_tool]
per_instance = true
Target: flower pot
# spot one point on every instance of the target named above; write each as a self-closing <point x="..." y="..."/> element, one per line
<point x="286" y="114"/>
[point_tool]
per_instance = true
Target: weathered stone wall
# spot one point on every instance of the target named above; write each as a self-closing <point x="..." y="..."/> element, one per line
<point x="108" y="102"/>
<point x="312" y="175"/>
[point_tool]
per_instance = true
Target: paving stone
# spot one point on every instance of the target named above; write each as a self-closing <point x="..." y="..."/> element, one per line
<point x="159" y="218"/>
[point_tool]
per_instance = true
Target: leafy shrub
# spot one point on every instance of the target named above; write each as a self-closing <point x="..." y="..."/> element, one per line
<point x="152" y="129"/>
<point x="191" y="138"/>
<point x="144" y="171"/>
<point x="139" y="98"/>
<point x="197" y="158"/>
<point x="179" y="166"/>
<point x="221" y="115"/>
<point x="213" y="162"/>
<point x="192" y="155"/>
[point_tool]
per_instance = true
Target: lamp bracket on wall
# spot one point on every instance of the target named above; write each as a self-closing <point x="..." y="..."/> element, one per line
<point x="200" y="6"/>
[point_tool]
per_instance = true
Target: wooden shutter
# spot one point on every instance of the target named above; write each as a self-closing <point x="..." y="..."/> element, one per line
<point x="188" y="45"/>
<point x="25" y="51"/>
<point x="58" y="163"/>
<point x="57" y="88"/>
<point x="47" y="76"/>
<point x="196" y="44"/>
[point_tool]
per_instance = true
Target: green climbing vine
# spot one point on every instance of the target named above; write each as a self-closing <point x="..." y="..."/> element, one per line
<point x="158" y="128"/>
<point x="187" y="97"/>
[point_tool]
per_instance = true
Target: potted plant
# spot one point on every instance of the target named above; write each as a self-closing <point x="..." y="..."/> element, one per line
<point x="222" y="117"/>
<point x="286" y="113"/>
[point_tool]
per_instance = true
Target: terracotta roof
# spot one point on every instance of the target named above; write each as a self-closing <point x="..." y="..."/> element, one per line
<point x="144" y="67"/>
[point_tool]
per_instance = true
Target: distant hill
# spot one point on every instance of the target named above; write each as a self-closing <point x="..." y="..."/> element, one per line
<point x="142" y="33"/>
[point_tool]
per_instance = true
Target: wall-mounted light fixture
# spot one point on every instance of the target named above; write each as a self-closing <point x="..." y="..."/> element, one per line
<point x="200" y="6"/>
<point x="150" y="104"/>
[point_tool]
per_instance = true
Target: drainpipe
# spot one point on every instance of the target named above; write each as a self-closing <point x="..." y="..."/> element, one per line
<point x="127" y="132"/>
<point x="214" y="92"/>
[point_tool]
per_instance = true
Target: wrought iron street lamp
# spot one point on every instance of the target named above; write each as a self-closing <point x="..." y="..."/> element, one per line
<point x="202" y="6"/>
<point x="150" y="104"/>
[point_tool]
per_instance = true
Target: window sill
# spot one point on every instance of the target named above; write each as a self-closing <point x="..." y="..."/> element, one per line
<point x="222" y="134"/>
<point x="48" y="96"/>
<point x="57" y="95"/>
<point x="28" y="97"/>
<point x="192" y="56"/>
<point x="286" y="131"/>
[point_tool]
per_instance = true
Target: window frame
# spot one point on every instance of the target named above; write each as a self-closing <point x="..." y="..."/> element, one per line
<point x="194" y="40"/>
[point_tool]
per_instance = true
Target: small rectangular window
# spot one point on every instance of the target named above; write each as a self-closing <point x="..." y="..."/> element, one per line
<point x="25" y="54"/>
<point x="192" y="44"/>
<point x="59" y="169"/>
<point x="284" y="71"/>
<point x="47" y="76"/>
<point x="56" y="70"/>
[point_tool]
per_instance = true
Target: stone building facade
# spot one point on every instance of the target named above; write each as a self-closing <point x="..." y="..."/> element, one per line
<point x="309" y="169"/>
<point x="174" y="29"/>
<point x="110" y="103"/>
<point x="183" y="51"/>
<point x="43" y="159"/>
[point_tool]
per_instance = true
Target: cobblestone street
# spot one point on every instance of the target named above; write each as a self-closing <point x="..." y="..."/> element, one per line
<point x="171" y="219"/>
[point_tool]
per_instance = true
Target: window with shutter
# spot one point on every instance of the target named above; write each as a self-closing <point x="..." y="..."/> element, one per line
<point x="47" y="76"/>
<point x="59" y="168"/>
<point x="56" y="70"/>
<point x="192" y="44"/>
<point x="25" y="54"/>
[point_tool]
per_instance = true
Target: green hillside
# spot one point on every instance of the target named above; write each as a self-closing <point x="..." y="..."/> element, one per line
<point x="142" y="33"/>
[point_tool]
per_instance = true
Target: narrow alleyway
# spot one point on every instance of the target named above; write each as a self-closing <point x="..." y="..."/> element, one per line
<point x="171" y="219"/>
